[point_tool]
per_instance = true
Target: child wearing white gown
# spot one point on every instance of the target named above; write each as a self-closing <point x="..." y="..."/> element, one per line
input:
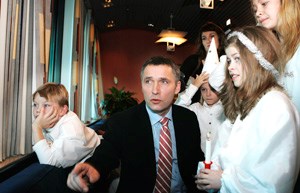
<point x="209" y="109"/>
<point x="258" y="145"/>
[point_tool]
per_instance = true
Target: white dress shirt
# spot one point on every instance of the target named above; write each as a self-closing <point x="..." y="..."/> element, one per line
<point x="67" y="143"/>
<point x="177" y="185"/>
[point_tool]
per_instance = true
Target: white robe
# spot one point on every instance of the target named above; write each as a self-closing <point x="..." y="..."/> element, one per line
<point x="261" y="153"/>
<point x="291" y="78"/>
<point x="210" y="118"/>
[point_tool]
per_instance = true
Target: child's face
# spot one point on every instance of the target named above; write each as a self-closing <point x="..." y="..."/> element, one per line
<point x="208" y="95"/>
<point x="266" y="12"/>
<point x="41" y="102"/>
<point x="235" y="67"/>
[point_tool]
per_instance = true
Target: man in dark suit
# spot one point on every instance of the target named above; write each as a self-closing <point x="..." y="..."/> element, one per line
<point x="132" y="138"/>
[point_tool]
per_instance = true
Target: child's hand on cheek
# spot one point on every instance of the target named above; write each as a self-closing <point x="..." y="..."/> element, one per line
<point x="47" y="119"/>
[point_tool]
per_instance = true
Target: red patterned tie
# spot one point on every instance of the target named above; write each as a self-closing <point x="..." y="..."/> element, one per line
<point x="164" y="171"/>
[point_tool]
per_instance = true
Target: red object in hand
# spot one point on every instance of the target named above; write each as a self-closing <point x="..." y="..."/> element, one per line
<point x="207" y="165"/>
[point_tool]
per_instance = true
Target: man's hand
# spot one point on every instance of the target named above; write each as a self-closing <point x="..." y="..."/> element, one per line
<point x="82" y="176"/>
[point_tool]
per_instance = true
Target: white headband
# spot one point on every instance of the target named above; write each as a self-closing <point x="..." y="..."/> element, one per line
<point x="257" y="54"/>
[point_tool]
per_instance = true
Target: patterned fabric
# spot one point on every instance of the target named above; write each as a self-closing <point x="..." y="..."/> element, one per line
<point x="164" y="173"/>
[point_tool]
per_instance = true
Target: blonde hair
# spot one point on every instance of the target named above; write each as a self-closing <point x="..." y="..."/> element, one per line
<point x="288" y="27"/>
<point x="241" y="100"/>
<point x="53" y="92"/>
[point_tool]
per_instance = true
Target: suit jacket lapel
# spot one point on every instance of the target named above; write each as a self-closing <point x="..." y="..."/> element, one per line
<point x="145" y="131"/>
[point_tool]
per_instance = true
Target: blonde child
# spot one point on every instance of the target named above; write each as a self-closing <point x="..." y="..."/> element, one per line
<point x="283" y="17"/>
<point x="59" y="137"/>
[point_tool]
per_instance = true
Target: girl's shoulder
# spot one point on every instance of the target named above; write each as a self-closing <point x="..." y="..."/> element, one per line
<point x="277" y="93"/>
<point x="275" y="99"/>
<point x="293" y="63"/>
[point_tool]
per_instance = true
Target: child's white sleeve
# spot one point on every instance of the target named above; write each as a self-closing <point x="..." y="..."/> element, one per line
<point x="185" y="98"/>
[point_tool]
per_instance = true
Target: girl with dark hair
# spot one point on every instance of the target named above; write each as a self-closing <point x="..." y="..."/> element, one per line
<point x="193" y="64"/>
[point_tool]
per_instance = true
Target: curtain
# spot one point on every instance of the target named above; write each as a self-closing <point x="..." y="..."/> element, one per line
<point x="98" y="74"/>
<point x="24" y="34"/>
<point x="90" y="72"/>
<point x="94" y="90"/>
<point x="3" y="24"/>
<point x="80" y="61"/>
<point x="85" y="70"/>
<point x="67" y="50"/>
<point x="55" y="52"/>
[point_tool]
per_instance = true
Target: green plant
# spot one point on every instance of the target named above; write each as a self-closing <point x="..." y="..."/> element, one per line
<point x="117" y="101"/>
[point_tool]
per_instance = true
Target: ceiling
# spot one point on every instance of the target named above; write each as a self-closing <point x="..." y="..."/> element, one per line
<point x="187" y="14"/>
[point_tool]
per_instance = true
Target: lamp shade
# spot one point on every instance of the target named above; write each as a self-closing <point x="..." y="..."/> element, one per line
<point x="176" y="37"/>
<point x="175" y="40"/>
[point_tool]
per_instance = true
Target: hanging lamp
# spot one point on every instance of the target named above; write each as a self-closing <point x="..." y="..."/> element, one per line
<point x="171" y="36"/>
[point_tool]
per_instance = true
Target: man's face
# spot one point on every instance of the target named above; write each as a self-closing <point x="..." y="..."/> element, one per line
<point x="159" y="87"/>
